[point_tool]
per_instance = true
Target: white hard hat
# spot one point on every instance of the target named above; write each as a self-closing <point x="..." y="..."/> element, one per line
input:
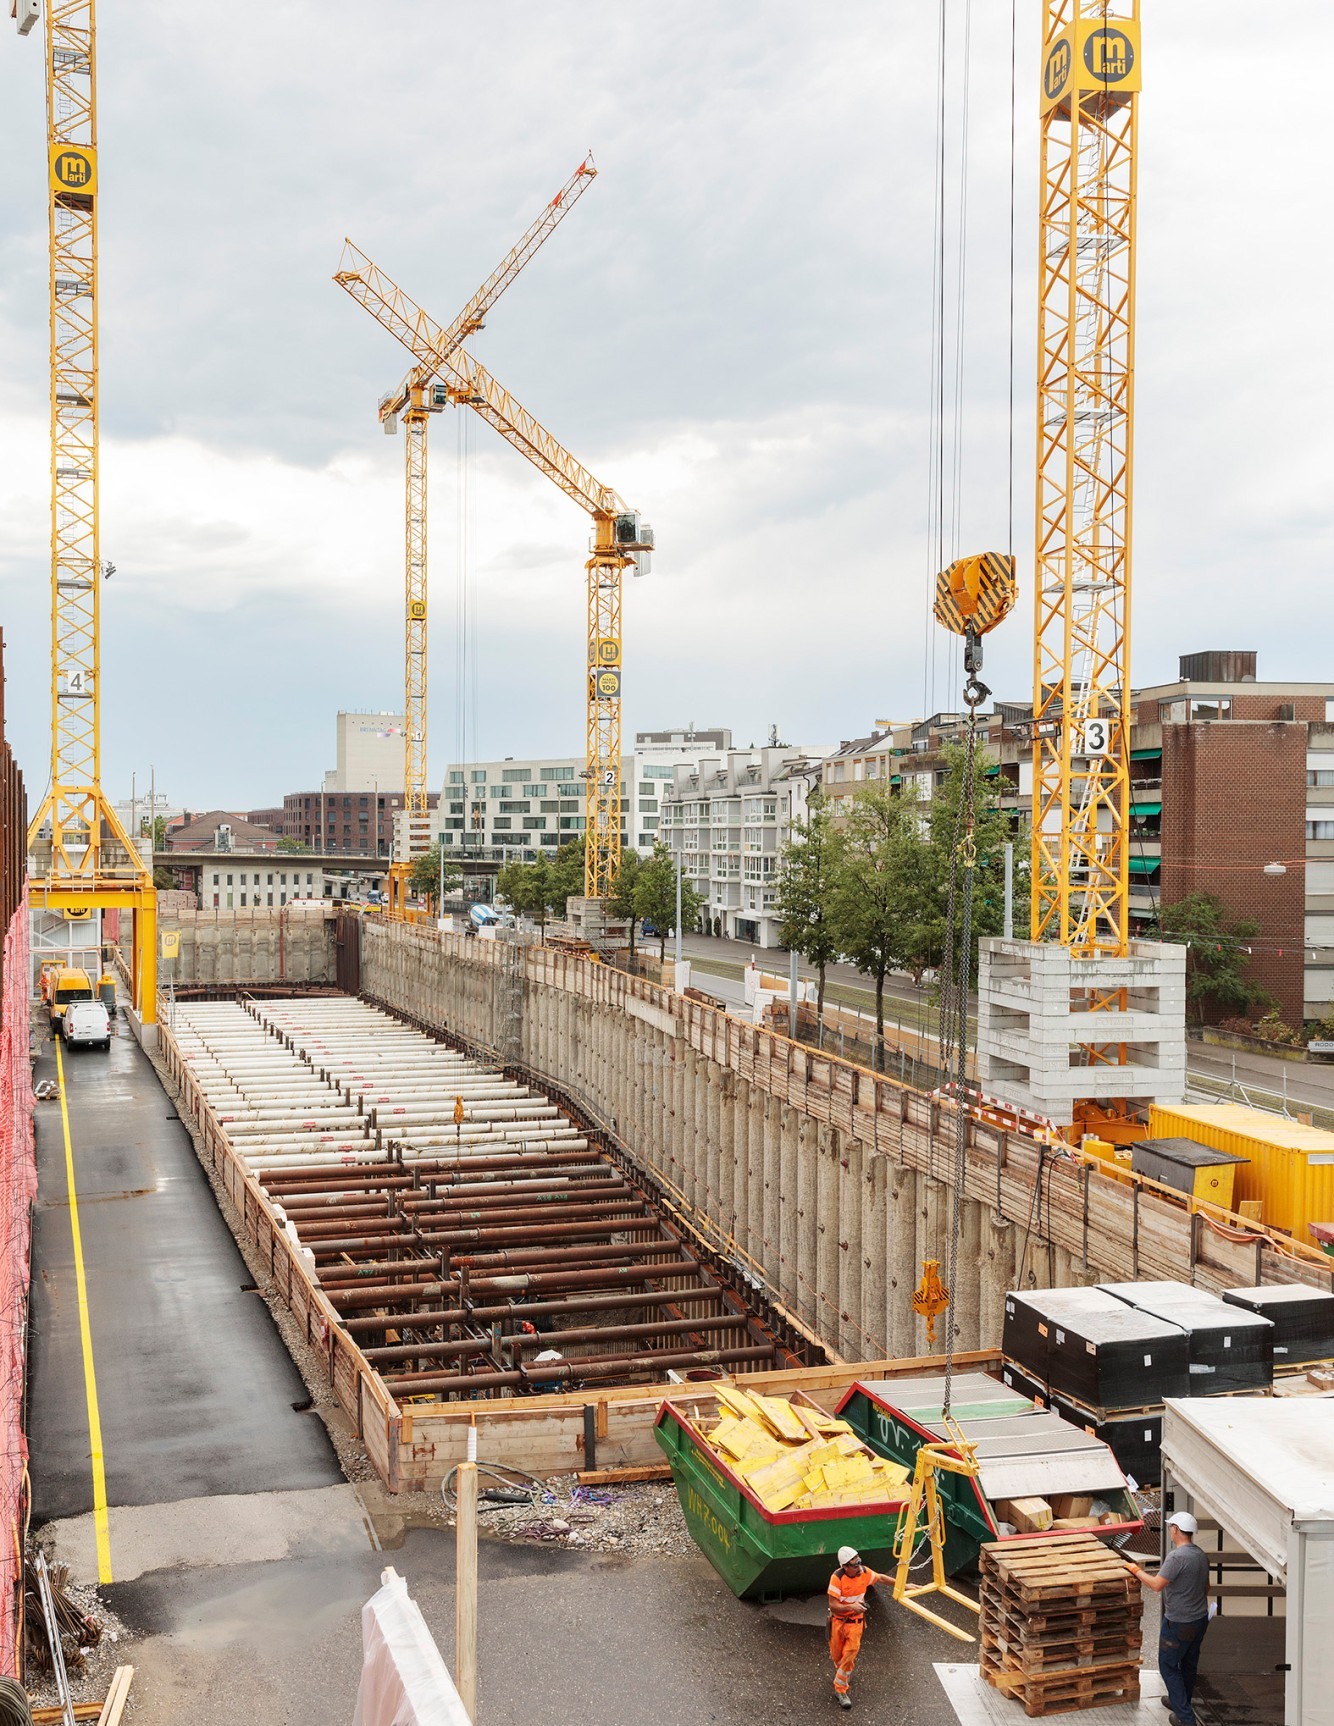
<point x="1183" y="1520"/>
<point x="846" y="1554"/>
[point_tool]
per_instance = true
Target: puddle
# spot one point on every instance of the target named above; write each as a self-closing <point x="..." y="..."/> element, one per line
<point x="814" y="1610"/>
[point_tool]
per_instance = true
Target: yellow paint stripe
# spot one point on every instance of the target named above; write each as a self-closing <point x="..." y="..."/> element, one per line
<point x="100" y="1522"/>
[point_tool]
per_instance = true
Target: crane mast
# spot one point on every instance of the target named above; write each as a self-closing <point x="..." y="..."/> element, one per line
<point x="1081" y="696"/>
<point x="619" y="537"/>
<point x="414" y="401"/>
<point x="92" y="864"/>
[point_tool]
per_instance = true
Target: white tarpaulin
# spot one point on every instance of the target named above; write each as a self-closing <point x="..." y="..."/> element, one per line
<point x="404" y="1682"/>
<point x="1264" y="1468"/>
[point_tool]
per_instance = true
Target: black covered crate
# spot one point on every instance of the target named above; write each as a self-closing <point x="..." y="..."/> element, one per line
<point x="1086" y="1344"/>
<point x="1303" y="1320"/>
<point x="1229" y="1349"/>
<point x="1135" y="1440"/>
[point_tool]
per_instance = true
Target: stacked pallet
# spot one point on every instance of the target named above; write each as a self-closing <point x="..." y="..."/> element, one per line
<point x="1060" y="1624"/>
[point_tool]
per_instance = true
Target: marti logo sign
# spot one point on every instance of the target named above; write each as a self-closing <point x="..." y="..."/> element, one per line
<point x="1109" y="55"/>
<point x="1056" y="73"/>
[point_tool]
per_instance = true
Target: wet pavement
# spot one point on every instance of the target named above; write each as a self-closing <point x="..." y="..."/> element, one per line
<point x="194" y="1384"/>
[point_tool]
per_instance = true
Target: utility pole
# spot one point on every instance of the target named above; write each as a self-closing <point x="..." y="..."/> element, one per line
<point x="465" y="1579"/>
<point x="678" y="949"/>
<point x="792" y="994"/>
<point x="1009" y="890"/>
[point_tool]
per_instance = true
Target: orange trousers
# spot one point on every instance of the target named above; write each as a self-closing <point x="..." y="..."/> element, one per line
<point x="845" y="1638"/>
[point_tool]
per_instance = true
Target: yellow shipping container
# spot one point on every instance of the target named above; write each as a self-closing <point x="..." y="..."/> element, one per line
<point x="1288" y="1167"/>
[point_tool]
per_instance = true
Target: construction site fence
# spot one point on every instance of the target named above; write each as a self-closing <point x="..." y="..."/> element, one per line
<point x="900" y="1052"/>
<point x="18" y="1187"/>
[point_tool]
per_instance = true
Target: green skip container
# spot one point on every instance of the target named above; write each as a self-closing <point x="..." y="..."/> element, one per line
<point x="1022" y="1451"/>
<point x="764" y="1554"/>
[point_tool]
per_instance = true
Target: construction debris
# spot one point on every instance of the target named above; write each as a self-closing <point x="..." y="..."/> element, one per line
<point x="794" y="1456"/>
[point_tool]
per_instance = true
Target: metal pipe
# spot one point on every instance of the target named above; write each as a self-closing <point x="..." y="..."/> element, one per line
<point x="624" y="1299"/>
<point x="565" y="1372"/>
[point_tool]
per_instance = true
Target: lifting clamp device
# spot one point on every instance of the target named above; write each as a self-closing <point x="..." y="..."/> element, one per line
<point x="957" y="1455"/>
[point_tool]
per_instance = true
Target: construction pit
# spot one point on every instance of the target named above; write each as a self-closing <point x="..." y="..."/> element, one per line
<point x="454" y="1242"/>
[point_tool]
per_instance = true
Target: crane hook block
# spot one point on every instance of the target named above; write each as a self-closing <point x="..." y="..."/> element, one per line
<point x="975" y="593"/>
<point x="930" y="1297"/>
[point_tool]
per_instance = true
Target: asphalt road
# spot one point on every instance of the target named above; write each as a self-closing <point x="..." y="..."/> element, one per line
<point x="193" y="1383"/>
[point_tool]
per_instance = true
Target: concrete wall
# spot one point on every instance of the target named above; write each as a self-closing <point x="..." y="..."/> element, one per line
<point x="833" y="1182"/>
<point x="251" y="946"/>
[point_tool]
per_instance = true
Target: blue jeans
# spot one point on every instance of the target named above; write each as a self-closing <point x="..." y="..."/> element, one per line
<point x="1178" y="1661"/>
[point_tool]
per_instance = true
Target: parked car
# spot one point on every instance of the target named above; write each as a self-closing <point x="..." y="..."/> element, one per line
<point x="87" y="1025"/>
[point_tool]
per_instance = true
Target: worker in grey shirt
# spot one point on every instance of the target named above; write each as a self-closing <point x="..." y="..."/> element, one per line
<point x="1183" y="1582"/>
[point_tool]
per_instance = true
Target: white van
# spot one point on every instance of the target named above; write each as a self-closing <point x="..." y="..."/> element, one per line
<point x="87" y="1023"/>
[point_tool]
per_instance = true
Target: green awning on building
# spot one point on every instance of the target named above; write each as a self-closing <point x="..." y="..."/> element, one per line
<point x="1146" y="754"/>
<point x="1144" y="865"/>
<point x="896" y="779"/>
<point x="1146" y="808"/>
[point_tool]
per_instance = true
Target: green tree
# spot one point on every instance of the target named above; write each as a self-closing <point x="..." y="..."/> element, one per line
<point x="526" y="889"/>
<point x="424" y="880"/>
<point x="622" y="900"/>
<point x="871" y="902"/>
<point x="929" y="918"/>
<point x="1215" y="953"/>
<point x="565" y="877"/>
<point x="291" y="845"/>
<point x="655" y="896"/>
<point x="808" y="872"/>
<point x="163" y="879"/>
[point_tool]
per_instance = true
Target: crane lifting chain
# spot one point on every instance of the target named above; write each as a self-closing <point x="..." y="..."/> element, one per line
<point x="972" y="596"/>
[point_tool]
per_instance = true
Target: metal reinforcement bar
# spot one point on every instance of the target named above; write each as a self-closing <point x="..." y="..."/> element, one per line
<point x="433" y="1257"/>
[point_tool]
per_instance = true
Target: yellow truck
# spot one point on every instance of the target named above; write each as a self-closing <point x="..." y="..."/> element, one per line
<point x="62" y="985"/>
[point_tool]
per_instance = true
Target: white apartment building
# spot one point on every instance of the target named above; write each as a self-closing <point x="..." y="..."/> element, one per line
<point x="726" y="822"/>
<point x="235" y="882"/>
<point x="370" y="753"/>
<point x="525" y="806"/>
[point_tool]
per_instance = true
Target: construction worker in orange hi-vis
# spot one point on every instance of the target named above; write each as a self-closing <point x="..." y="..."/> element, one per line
<point x="847" y="1614"/>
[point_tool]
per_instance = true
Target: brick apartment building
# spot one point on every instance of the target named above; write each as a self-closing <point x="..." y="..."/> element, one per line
<point x="356" y="822"/>
<point x="1232" y="792"/>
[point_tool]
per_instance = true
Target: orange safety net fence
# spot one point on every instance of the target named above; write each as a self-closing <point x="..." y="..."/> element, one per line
<point x="18" y="1187"/>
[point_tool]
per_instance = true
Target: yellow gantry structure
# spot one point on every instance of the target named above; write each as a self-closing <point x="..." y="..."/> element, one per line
<point x="619" y="538"/>
<point x="413" y="401"/>
<point x="92" y="865"/>
<point x="1086" y="339"/>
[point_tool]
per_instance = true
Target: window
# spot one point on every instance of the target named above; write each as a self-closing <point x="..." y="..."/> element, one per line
<point x="659" y="772"/>
<point x="215" y="897"/>
<point x="478" y="775"/>
<point x="270" y="881"/>
<point x="1216" y="707"/>
<point x="514" y="808"/>
<point x="282" y="898"/>
<point x="270" y="896"/>
<point x="648" y="803"/>
<point x="282" y="880"/>
<point x="501" y="824"/>
<point x="536" y="821"/>
<point x="215" y="880"/>
<point x="512" y="775"/>
<point x="572" y="823"/>
<point x="454" y="821"/>
<point x="229" y="880"/>
<point x="455" y="776"/>
<point x="550" y="808"/>
<point x="532" y="790"/>
<point x="1314" y="776"/>
<point x="568" y="805"/>
<point x="310" y="880"/>
<point x="1320" y="829"/>
<point x="243" y="898"/>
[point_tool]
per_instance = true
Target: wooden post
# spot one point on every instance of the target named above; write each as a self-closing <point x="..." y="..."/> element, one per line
<point x="465" y="1583"/>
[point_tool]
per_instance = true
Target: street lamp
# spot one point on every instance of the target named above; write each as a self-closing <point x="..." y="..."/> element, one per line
<point x="1276" y="869"/>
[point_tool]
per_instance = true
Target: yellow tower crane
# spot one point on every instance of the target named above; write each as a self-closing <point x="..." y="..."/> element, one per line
<point x="414" y="400"/>
<point x="620" y="538"/>
<point x="1081" y="696"/>
<point x="89" y="864"/>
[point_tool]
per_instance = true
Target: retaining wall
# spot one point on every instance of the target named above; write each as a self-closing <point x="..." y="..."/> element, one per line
<point x="294" y="945"/>
<point x="832" y="1182"/>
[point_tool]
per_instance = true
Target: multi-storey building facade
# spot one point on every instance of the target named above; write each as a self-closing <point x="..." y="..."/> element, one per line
<point x="1231" y="792"/>
<point x="519" y="807"/>
<point x="357" y="823"/>
<point x="370" y="753"/>
<point x="726" y="822"/>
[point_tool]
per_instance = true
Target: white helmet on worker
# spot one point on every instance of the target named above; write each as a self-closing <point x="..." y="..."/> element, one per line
<point x="846" y="1554"/>
<point x="1183" y="1520"/>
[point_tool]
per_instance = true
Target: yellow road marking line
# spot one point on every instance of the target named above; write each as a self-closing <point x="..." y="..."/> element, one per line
<point x="100" y="1521"/>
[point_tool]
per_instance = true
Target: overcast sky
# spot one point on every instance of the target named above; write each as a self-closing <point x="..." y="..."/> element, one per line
<point x="732" y="328"/>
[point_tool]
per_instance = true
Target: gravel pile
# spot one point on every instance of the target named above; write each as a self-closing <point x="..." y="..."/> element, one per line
<point x="643" y="1520"/>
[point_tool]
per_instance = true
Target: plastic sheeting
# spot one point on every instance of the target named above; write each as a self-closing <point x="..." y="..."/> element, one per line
<point x="404" y="1681"/>
<point x="18" y="1184"/>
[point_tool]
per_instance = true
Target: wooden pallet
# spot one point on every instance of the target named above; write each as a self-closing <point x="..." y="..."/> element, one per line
<point x="1061" y="1693"/>
<point x="1060" y="1624"/>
